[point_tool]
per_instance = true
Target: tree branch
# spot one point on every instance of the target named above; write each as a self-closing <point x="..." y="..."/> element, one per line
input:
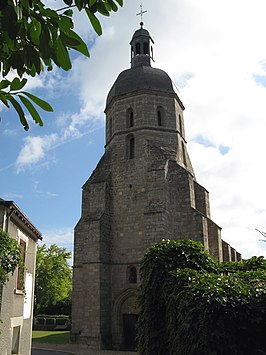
<point x="65" y="8"/>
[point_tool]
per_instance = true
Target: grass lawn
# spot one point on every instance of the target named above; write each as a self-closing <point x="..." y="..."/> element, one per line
<point x="50" y="337"/>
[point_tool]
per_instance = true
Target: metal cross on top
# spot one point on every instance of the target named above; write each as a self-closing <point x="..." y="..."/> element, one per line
<point x="141" y="13"/>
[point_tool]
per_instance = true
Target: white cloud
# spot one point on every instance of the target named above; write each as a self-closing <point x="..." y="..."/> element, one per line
<point x="34" y="150"/>
<point x="38" y="191"/>
<point x="12" y="196"/>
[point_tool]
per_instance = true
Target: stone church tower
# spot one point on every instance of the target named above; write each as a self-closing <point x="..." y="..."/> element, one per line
<point x="143" y="190"/>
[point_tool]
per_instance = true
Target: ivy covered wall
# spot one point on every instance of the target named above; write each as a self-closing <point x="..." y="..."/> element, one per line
<point x="190" y="304"/>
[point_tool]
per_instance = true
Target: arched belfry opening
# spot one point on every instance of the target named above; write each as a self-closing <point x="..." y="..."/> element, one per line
<point x="137" y="48"/>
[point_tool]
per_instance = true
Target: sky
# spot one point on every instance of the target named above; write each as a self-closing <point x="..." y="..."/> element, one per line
<point x="215" y="53"/>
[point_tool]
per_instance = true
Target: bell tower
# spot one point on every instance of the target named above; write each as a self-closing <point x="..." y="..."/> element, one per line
<point x="143" y="190"/>
<point x="141" y="48"/>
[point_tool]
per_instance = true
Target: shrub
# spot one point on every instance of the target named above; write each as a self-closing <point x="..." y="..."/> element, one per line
<point x="190" y="304"/>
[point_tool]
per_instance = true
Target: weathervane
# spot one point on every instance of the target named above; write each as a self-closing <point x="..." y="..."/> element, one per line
<point x="141" y="13"/>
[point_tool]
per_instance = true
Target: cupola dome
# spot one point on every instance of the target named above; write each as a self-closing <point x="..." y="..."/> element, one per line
<point x="141" y="76"/>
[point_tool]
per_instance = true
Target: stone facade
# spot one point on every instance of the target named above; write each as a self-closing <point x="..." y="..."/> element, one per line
<point x="16" y="306"/>
<point x="143" y="190"/>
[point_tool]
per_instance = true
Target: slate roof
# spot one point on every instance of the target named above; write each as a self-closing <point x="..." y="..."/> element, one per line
<point x="140" y="78"/>
<point x="21" y="216"/>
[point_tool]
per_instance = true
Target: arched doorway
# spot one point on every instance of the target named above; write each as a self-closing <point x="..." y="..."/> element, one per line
<point x="129" y="316"/>
<point x="125" y="316"/>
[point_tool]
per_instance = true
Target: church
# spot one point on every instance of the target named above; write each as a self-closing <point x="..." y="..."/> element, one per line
<point x="143" y="190"/>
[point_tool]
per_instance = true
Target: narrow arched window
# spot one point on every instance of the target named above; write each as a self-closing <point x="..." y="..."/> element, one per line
<point x="160" y="115"/>
<point x="138" y="48"/>
<point x="184" y="154"/>
<point x="131" y="154"/>
<point x="130" y="118"/>
<point x="181" y="126"/>
<point x="132" y="275"/>
<point x="146" y="48"/>
<point x="130" y="147"/>
<point x="111" y="126"/>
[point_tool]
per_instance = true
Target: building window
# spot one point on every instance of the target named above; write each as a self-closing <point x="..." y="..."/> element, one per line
<point x="160" y="115"/>
<point x="138" y="48"/>
<point x="111" y="126"/>
<point x="21" y="268"/>
<point x="184" y="154"/>
<point x="180" y="125"/>
<point x="130" y="118"/>
<point x="132" y="275"/>
<point x="15" y="340"/>
<point x="130" y="147"/>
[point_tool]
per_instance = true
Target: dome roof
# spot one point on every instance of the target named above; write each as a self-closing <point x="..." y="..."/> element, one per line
<point x="140" y="32"/>
<point x="140" y="78"/>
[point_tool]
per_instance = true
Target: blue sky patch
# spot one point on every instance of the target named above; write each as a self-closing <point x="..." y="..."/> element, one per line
<point x="223" y="149"/>
<point x="207" y="143"/>
<point x="260" y="79"/>
<point x="204" y="141"/>
<point x="183" y="79"/>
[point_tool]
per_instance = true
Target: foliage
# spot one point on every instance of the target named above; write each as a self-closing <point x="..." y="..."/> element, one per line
<point x="34" y="37"/>
<point x="192" y="305"/>
<point x="9" y="256"/>
<point x="62" y="307"/>
<point x="53" y="282"/>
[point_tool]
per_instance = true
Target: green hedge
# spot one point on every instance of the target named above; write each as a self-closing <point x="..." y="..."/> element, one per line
<point x="191" y="305"/>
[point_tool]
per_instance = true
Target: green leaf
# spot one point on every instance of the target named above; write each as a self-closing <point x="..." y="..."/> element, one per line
<point x="113" y="5"/>
<point x="79" y="4"/>
<point x="34" y="32"/>
<point x="16" y="84"/>
<point x="120" y="2"/>
<point x="20" y="112"/>
<point x="62" y="55"/>
<point x="4" y="84"/>
<point x="41" y="103"/>
<point x="103" y="8"/>
<point x="65" y="23"/>
<point x="3" y="99"/>
<point x="69" y="41"/>
<point x="92" y="2"/>
<point x="68" y="13"/>
<point x="73" y="40"/>
<point x="33" y="112"/>
<point x="95" y="22"/>
<point x="68" y="2"/>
